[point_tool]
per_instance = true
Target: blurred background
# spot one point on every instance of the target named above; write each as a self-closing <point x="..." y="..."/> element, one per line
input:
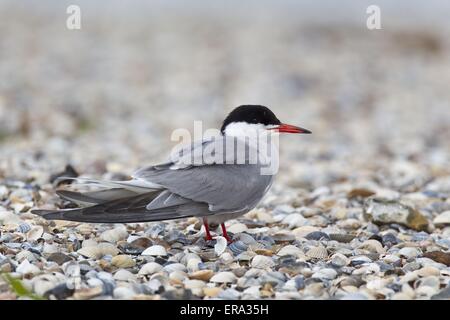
<point x="107" y="97"/>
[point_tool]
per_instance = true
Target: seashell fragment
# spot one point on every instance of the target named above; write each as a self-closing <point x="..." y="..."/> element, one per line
<point x="290" y="250"/>
<point x="224" y="277"/>
<point x="237" y="247"/>
<point x="124" y="275"/>
<point x="220" y="245"/>
<point x="98" y="251"/>
<point x="325" y="274"/>
<point x="27" y="268"/>
<point x="237" y="228"/>
<point x="372" y="246"/>
<point x="295" y="220"/>
<point x="150" y="268"/>
<point x="262" y="262"/>
<point x="317" y="253"/>
<point x="341" y="237"/>
<point x="409" y="252"/>
<point x="194" y="284"/>
<point x="114" y="235"/>
<point x="442" y="219"/>
<point x="35" y="233"/>
<point x="339" y="260"/>
<point x="156" y="250"/>
<point x="123" y="261"/>
<point x="204" y="275"/>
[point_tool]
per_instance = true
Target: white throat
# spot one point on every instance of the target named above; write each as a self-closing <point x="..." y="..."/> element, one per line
<point x="244" y="129"/>
<point x="257" y="136"/>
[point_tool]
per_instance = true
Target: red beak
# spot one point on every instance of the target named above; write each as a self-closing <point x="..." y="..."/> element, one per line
<point x="287" y="128"/>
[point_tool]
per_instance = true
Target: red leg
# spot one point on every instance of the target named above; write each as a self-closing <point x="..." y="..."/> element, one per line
<point x="208" y="235"/>
<point x="224" y="233"/>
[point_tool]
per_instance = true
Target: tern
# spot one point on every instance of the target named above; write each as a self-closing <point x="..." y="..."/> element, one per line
<point x="216" y="189"/>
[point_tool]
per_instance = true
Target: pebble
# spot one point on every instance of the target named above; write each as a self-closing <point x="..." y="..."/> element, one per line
<point x="339" y="260"/>
<point x="383" y="211"/>
<point x="59" y="258"/>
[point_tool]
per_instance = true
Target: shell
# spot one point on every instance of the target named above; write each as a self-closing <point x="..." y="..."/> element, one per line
<point x="123" y="293"/>
<point x="339" y="260"/>
<point x="211" y="291"/>
<point x="262" y="262"/>
<point x="245" y="238"/>
<point x="226" y="258"/>
<point x="295" y="220"/>
<point x="372" y="246"/>
<point x="141" y="242"/>
<point x="301" y="232"/>
<point x="98" y="251"/>
<point x="428" y="271"/>
<point x="204" y="275"/>
<point x="124" y="275"/>
<point x="245" y="256"/>
<point x="341" y="237"/>
<point x="155" y="250"/>
<point x="283" y="237"/>
<point x="325" y="274"/>
<point x="237" y="228"/>
<point x="442" y="219"/>
<point x="174" y="267"/>
<point x="220" y="245"/>
<point x="290" y="250"/>
<point x="192" y="264"/>
<point x="189" y="256"/>
<point x="238" y="247"/>
<point x="25" y="254"/>
<point x="87" y="293"/>
<point x="114" y="235"/>
<point x="224" y="277"/>
<point x="35" y="233"/>
<point x="50" y="248"/>
<point x="123" y="261"/>
<point x="150" y="268"/>
<point x="409" y="252"/>
<point x="89" y="243"/>
<point x="24" y="227"/>
<point x="177" y="276"/>
<point x="27" y="268"/>
<point x="194" y="284"/>
<point x="105" y="248"/>
<point x="317" y="253"/>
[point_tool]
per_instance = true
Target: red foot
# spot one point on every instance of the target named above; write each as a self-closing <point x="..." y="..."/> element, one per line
<point x="208" y="235"/>
<point x="225" y="234"/>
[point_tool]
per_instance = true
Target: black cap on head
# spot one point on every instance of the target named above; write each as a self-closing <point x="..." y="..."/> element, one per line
<point x="251" y="114"/>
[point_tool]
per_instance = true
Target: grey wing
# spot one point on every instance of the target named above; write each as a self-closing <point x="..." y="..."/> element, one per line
<point x="223" y="187"/>
<point x="170" y="191"/>
<point x="124" y="210"/>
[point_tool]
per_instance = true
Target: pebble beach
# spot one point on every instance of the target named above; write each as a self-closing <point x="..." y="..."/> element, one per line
<point x="360" y="209"/>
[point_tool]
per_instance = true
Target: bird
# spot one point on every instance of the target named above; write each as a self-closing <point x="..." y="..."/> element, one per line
<point x="213" y="191"/>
